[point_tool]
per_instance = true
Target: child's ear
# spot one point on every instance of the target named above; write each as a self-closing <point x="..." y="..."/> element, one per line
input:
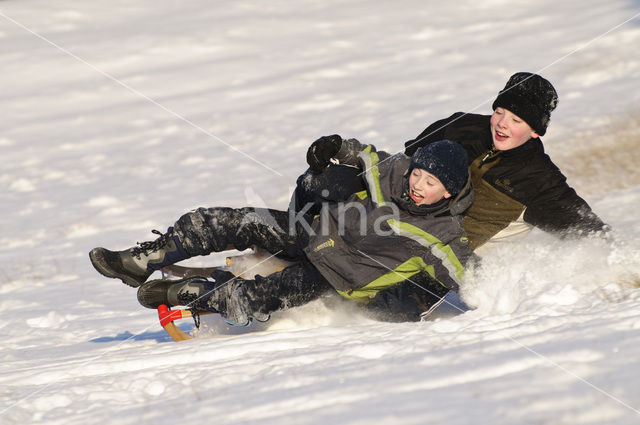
<point x="534" y="135"/>
<point x="447" y="195"/>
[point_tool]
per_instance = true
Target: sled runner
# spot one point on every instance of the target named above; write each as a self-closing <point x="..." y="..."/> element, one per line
<point x="168" y="316"/>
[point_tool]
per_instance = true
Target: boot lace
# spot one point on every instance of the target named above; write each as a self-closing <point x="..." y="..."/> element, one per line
<point x="194" y="300"/>
<point x="188" y="299"/>
<point x="145" y="248"/>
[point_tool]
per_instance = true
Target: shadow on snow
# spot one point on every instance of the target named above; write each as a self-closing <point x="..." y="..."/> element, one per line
<point x="158" y="336"/>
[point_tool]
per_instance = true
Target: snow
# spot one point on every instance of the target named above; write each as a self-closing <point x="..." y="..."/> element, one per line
<point x="119" y="116"/>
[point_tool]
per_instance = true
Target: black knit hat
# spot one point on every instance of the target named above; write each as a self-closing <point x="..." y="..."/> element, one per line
<point x="530" y="97"/>
<point x="446" y="160"/>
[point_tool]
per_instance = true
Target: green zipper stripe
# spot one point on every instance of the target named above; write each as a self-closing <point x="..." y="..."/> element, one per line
<point x="372" y="175"/>
<point x="441" y="251"/>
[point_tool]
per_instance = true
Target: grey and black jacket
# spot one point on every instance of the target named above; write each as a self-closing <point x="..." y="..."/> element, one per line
<point x="379" y="237"/>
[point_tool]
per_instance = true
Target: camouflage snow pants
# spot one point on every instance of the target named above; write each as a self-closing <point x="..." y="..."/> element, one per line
<point x="208" y="230"/>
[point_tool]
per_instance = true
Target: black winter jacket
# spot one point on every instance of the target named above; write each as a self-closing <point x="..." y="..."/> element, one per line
<point x="510" y="186"/>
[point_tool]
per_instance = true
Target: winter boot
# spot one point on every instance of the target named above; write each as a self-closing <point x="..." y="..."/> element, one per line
<point x="192" y="292"/>
<point x="134" y="265"/>
<point x="226" y="296"/>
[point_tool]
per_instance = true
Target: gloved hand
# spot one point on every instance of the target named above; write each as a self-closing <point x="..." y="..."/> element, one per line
<point x="321" y="151"/>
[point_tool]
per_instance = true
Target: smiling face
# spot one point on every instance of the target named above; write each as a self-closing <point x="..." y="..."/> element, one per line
<point x="508" y="130"/>
<point x="425" y="188"/>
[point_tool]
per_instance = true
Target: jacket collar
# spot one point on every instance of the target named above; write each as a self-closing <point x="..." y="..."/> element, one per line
<point x="527" y="149"/>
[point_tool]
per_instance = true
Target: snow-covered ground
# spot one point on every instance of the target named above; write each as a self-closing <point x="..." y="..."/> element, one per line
<point x="118" y="116"/>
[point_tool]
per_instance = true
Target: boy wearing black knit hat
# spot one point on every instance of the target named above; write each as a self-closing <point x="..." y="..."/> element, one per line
<point x="395" y="248"/>
<point x="516" y="184"/>
<point x="531" y="98"/>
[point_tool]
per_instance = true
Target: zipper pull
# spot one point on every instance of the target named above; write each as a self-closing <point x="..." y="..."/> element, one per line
<point x="492" y="152"/>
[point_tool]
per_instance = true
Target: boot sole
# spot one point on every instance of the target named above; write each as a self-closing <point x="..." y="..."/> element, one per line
<point x="153" y="293"/>
<point x="100" y="264"/>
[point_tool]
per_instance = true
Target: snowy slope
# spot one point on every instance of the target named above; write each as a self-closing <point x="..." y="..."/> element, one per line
<point x="116" y="117"/>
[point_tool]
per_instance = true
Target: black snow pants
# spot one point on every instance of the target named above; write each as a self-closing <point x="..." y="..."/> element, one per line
<point x="208" y="230"/>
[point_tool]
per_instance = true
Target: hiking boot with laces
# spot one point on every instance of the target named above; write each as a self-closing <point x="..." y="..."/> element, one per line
<point x="134" y="265"/>
<point x="191" y="292"/>
<point x="226" y="296"/>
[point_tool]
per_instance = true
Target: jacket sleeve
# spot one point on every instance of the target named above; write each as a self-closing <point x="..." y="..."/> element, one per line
<point x="406" y="301"/>
<point x="443" y="261"/>
<point x="559" y="209"/>
<point x="449" y="261"/>
<point x="432" y="133"/>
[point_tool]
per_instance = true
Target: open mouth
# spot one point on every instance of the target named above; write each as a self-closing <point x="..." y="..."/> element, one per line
<point x="501" y="137"/>
<point x="416" y="198"/>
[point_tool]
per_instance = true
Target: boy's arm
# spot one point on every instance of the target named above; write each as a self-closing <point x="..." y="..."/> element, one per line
<point x="407" y="299"/>
<point x="344" y="151"/>
<point x="448" y="261"/>
<point x="432" y="133"/>
<point x="443" y="261"/>
<point x="559" y="209"/>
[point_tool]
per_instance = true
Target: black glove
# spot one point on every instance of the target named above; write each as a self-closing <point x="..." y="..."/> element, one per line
<point x="321" y="151"/>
